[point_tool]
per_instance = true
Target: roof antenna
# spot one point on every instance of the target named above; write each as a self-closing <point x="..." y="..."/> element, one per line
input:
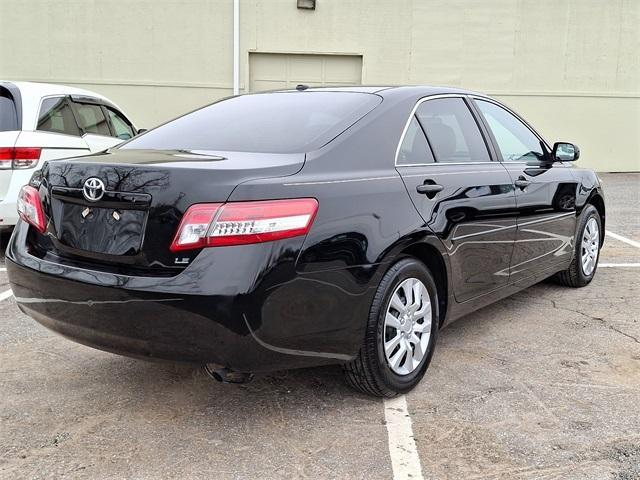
<point x="301" y="87"/>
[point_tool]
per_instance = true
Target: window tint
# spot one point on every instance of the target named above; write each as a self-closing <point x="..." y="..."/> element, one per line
<point x="120" y="126"/>
<point x="283" y="122"/>
<point x="56" y="116"/>
<point x="8" y="114"/>
<point x="414" y="148"/>
<point x="92" y="119"/>
<point x="452" y="131"/>
<point x="515" y="141"/>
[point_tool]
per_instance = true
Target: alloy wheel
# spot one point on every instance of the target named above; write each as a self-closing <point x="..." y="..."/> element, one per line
<point x="407" y="326"/>
<point x="590" y="246"/>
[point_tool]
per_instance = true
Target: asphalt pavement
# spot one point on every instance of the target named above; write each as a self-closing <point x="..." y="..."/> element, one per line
<point x="542" y="385"/>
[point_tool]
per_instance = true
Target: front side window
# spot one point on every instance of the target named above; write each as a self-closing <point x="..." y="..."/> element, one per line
<point x="414" y="149"/>
<point x="92" y="119"/>
<point x="56" y="116"/>
<point x="452" y="131"/>
<point x="281" y="122"/>
<point x="515" y="141"/>
<point x="121" y="127"/>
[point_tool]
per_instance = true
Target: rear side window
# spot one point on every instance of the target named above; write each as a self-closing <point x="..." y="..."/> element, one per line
<point x="452" y="131"/>
<point x="91" y="119"/>
<point x="284" y="122"/>
<point x="121" y="127"/>
<point x="414" y="149"/>
<point x="56" y="116"/>
<point x="8" y="113"/>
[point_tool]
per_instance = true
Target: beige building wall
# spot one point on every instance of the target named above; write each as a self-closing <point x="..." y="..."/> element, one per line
<point x="571" y="67"/>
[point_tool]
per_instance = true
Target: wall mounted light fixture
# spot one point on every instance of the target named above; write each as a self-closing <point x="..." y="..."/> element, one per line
<point x="307" y="4"/>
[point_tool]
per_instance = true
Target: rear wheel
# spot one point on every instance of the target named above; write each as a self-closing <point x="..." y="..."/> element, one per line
<point x="587" y="251"/>
<point x="401" y="332"/>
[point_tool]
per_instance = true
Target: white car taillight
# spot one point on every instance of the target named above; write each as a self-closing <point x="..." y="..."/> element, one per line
<point x="241" y="223"/>
<point x="30" y="208"/>
<point x="19" y="157"/>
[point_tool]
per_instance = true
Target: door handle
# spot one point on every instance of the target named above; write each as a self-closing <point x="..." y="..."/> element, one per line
<point x="429" y="189"/>
<point x="522" y="183"/>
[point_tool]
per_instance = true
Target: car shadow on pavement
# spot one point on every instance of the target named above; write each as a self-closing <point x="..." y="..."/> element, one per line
<point x="138" y="380"/>
<point x="4" y="241"/>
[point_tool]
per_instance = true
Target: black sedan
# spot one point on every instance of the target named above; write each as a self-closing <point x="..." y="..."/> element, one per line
<point x="305" y="227"/>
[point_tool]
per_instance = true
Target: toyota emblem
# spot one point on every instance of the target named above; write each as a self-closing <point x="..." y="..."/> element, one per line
<point x="93" y="189"/>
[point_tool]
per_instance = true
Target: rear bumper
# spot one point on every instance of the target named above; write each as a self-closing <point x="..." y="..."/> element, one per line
<point x="198" y="316"/>
<point x="8" y="210"/>
<point x="124" y="322"/>
<point x="8" y="213"/>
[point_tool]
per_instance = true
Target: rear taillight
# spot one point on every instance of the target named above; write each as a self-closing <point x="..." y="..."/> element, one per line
<point x="6" y="158"/>
<point x="240" y="223"/>
<point x="192" y="232"/>
<point x="19" y="157"/>
<point x="30" y="208"/>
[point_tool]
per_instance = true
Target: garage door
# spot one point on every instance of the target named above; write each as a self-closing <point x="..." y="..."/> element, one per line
<point x="268" y="71"/>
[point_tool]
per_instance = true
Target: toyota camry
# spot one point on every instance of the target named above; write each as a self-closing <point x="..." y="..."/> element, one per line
<point x="304" y="227"/>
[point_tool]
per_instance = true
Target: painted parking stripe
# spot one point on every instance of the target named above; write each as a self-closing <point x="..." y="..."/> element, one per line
<point x="405" y="461"/>
<point x="5" y="295"/>
<point x="2" y="269"/>
<point x="619" y="265"/>
<point x="626" y="240"/>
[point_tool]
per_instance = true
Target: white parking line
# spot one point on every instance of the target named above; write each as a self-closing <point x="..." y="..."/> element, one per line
<point x="405" y="461"/>
<point x="5" y="295"/>
<point x="619" y="265"/>
<point x="2" y="269"/>
<point x="626" y="240"/>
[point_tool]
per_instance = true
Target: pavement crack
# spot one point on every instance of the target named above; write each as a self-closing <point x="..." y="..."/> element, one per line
<point x="575" y="310"/>
<point x="635" y="339"/>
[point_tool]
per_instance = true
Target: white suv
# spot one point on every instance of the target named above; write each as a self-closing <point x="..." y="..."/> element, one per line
<point x="39" y="122"/>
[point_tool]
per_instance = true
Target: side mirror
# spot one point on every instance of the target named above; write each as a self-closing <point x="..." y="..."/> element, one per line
<point x="565" y="152"/>
<point x="141" y="130"/>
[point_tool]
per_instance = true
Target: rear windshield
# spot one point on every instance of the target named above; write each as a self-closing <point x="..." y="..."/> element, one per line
<point x="285" y="122"/>
<point x="8" y="114"/>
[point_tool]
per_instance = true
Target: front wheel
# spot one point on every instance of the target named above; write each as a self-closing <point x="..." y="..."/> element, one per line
<point x="401" y="332"/>
<point x="587" y="250"/>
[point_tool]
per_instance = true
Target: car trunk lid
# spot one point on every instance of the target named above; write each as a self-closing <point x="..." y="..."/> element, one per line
<point x="122" y="208"/>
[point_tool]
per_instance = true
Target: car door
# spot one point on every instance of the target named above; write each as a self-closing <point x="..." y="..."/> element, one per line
<point x="545" y="192"/>
<point x="463" y="195"/>
<point x="56" y="131"/>
<point x="94" y="124"/>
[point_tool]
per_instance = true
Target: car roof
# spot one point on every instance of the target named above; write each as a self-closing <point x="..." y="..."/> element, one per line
<point x="396" y="90"/>
<point x="31" y="94"/>
<point x="36" y="89"/>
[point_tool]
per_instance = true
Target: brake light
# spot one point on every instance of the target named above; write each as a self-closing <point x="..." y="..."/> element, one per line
<point x="30" y="208"/>
<point x="192" y="232"/>
<point x="6" y="157"/>
<point x="19" y="157"/>
<point x="241" y="223"/>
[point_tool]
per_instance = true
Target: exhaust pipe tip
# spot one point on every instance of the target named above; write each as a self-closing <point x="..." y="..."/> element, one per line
<point x="225" y="375"/>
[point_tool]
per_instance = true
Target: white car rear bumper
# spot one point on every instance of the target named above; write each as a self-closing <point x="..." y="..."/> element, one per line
<point x="8" y="211"/>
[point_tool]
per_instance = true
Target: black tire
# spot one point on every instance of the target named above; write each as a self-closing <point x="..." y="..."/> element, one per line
<point x="369" y="372"/>
<point x="574" y="276"/>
